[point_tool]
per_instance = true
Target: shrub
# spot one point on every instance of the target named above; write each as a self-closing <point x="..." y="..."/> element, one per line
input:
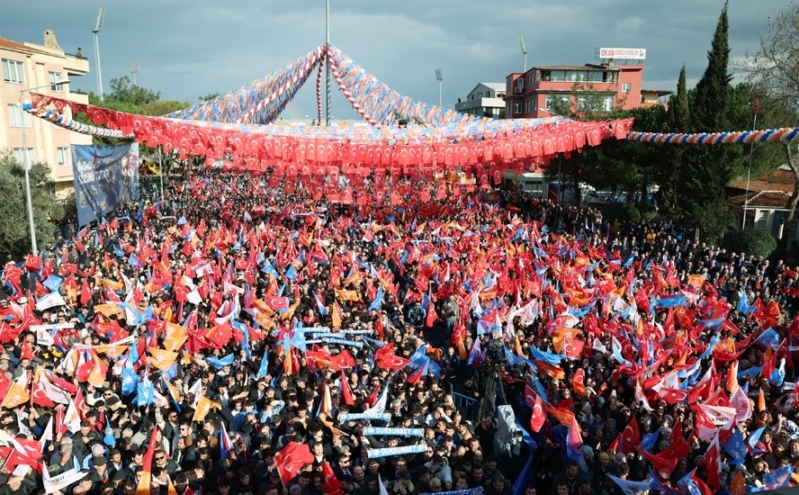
<point x="621" y="211"/>
<point x="648" y="211"/>
<point x="757" y="242"/>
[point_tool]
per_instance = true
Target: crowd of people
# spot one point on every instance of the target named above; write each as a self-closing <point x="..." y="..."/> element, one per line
<point x="238" y="338"/>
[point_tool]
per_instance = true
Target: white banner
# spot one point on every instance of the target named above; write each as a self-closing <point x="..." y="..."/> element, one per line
<point x="63" y="480"/>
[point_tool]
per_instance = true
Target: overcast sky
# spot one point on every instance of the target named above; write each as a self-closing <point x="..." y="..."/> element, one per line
<point x="192" y="48"/>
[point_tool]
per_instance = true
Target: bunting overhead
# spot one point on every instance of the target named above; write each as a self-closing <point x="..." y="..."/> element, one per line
<point x="238" y="128"/>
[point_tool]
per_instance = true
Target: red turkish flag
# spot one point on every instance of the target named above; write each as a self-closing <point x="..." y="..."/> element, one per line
<point x="664" y="467"/>
<point x="386" y="359"/>
<point x="342" y="361"/>
<point x="332" y="486"/>
<point x="573" y="348"/>
<point x="346" y="392"/>
<point x="85" y="293"/>
<point x="539" y="415"/>
<point x="630" y="437"/>
<point x="578" y="381"/>
<point x="291" y="459"/>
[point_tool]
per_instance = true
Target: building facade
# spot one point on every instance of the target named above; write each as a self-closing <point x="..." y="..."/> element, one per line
<point x="25" y="66"/>
<point x="534" y="93"/>
<point x="485" y="100"/>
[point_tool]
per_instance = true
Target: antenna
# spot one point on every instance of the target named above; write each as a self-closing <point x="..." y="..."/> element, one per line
<point x="524" y="52"/>
<point x="100" y="18"/>
<point x="134" y="69"/>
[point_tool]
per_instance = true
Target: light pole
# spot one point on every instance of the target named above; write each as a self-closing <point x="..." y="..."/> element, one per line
<point x="524" y="52"/>
<point x="440" y="78"/>
<point x="27" y="166"/>
<point x="98" y="25"/>
<point x="135" y="66"/>
<point x="749" y="173"/>
<point x="327" y="63"/>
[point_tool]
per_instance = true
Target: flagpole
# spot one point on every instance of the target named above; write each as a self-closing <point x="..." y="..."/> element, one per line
<point x="749" y="173"/>
<point x="327" y="63"/>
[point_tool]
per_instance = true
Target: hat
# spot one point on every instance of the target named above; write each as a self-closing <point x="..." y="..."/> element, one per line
<point x="97" y="449"/>
<point x="99" y="460"/>
<point x="600" y="400"/>
<point x="404" y="475"/>
<point x="290" y="430"/>
<point x="120" y="476"/>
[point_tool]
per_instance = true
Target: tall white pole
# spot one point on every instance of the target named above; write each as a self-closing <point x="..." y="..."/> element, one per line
<point x="27" y="165"/>
<point x="440" y="83"/>
<point x="749" y="173"/>
<point x="97" y="61"/>
<point x="327" y="63"/>
<point x="98" y="25"/>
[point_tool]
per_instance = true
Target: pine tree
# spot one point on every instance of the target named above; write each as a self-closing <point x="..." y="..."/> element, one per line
<point x="706" y="169"/>
<point x="679" y="121"/>
<point x="710" y="105"/>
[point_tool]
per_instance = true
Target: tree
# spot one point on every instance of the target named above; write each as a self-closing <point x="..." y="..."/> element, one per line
<point x="774" y="71"/>
<point x="47" y="209"/>
<point x="209" y="96"/>
<point x="706" y="170"/>
<point x="679" y="120"/>
<point x="123" y="90"/>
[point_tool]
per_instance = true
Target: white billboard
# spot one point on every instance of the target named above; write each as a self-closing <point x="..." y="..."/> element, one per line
<point x="623" y="53"/>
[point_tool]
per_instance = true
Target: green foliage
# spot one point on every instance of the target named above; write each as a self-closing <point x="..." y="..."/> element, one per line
<point x="122" y="90"/>
<point x="209" y="96"/>
<point x="623" y="212"/>
<point x="47" y="210"/>
<point x="648" y="211"/>
<point x="159" y="108"/>
<point x="756" y="242"/>
<point x="709" y="111"/>
<point x="705" y="171"/>
<point x="714" y="219"/>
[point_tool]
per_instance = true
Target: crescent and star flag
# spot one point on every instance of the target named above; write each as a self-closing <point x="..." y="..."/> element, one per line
<point x="143" y="488"/>
<point x="291" y="459"/>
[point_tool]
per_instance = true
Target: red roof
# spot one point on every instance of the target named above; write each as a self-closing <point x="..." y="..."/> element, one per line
<point x="779" y="180"/>
<point x="763" y="199"/>
<point x="7" y="44"/>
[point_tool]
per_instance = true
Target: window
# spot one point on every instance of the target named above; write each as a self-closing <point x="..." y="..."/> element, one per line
<point x="558" y="75"/>
<point x="13" y="71"/>
<point x="552" y="98"/>
<point x="63" y="156"/>
<point x="479" y="95"/>
<point x="17" y="117"/>
<point x="517" y="108"/>
<point x="55" y="77"/>
<point x="19" y="156"/>
<point x="626" y="87"/>
<point x="607" y="103"/>
<point x="488" y="94"/>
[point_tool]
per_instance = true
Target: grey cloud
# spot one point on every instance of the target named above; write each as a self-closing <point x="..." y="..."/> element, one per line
<point x="189" y="48"/>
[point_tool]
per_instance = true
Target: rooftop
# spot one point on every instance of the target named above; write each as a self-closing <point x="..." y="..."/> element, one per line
<point x="782" y="179"/>
<point x="762" y="199"/>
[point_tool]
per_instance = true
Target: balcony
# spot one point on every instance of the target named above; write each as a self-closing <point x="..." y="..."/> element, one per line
<point x="76" y="66"/>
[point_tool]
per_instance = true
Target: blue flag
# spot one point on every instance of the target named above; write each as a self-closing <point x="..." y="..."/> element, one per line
<point x="220" y="363"/>
<point x="736" y="447"/>
<point x="378" y="301"/>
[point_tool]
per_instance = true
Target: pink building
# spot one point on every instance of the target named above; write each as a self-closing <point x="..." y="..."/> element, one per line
<point x="25" y="66"/>
<point x="530" y="94"/>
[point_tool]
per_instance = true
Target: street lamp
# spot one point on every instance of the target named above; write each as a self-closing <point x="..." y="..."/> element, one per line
<point x="27" y="166"/>
<point x="98" y="25"/>
<point x="440" y="78"/>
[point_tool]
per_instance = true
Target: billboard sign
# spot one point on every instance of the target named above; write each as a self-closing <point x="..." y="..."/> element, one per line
<point x="623" y="53"/>
<point x="105" y="177"/>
